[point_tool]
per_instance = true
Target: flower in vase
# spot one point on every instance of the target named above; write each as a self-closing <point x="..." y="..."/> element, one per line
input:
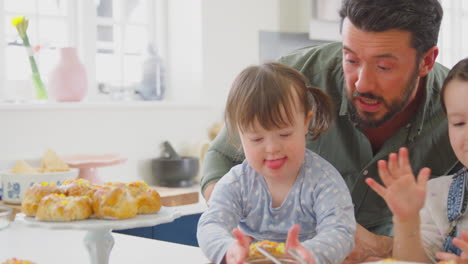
<point x="21" y="24"/>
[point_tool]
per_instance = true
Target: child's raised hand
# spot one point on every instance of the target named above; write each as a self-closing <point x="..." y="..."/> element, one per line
<point x="403" y="194"/>
<point x="460" y="242"/>
<point x="238" y="251"/>
<point x="292" y="243"/>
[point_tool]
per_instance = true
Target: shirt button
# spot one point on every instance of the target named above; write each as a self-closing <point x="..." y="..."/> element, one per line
<point x="365" y="172"/>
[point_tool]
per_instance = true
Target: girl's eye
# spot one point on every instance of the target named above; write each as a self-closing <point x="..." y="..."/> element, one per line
<point x="350" y="61"/>
<point x="256" y="139"/>
<point x="459" y="124"/>
<point x="285" y="134"/>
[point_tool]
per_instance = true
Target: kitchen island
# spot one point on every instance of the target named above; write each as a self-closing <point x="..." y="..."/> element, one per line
<point x="47" y="246"/>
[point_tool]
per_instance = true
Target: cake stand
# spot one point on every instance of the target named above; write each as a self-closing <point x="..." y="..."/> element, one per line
<point x="87" y="164"/>
<point x="98" y="239"/>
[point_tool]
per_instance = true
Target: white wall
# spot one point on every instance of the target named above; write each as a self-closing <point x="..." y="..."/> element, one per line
<point x="209" y="43"/>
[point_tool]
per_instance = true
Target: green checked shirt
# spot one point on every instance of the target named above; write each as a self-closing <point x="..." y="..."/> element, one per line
<point x="346" y="147"/>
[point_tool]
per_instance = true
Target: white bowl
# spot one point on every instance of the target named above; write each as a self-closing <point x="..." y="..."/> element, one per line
<point x="5" y="216"/>
<point x="15" y="185"/>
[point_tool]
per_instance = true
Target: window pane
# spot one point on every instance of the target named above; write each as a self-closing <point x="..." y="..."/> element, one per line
<point x="132" y="69"/>
<point x="21" y="7"/>
<point x="135" y="39"/>
<point x="53" y="32"/>
<point x="17" y="64"/>
<point x="136" y="11"/>
<point x="105" y="33"/>
<point x="52" y="7"/>
<point x="104" y="8"/>
<point x="108" y="68"/>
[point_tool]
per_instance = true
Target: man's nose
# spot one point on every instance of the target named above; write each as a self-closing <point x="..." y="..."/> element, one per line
<point x="365" y="82"/>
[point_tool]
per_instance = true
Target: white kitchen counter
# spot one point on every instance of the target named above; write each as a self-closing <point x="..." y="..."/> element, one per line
<point x="47" y="246"/>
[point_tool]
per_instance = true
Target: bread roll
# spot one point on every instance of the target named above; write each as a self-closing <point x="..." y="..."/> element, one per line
<point x="34" y="194"/>
<point x="114" y="202"/>
<point x="61" y="208"/>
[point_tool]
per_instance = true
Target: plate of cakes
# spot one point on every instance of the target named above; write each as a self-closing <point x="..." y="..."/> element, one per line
<point x="79" y="204"/>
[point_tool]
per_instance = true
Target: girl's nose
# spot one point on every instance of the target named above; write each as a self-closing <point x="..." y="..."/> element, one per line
<point x="272" y="146"/>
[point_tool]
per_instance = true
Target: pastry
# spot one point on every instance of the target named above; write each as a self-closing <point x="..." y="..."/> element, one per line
<point x="148" y="199"/>
<point x="274" y="248"/>
<point x="61" y="208"/>
<point x="78" y="187"/>
<point x="17" y="261"/>
<point x="114" y="202"/>
<point x="34" y="194"/>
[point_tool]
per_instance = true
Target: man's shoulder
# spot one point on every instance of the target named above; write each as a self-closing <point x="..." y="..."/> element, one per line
<point x="314" y="56"/>
<point x="321" y="65"/>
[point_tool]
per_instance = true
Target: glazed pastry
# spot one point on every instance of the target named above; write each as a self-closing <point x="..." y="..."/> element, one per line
<point x="17" y="261"/>
<point x="114" y="202"/>
<point x="274" y="248"/>
<point x="78" y="187"/>
<point x="148" y="199"/>
<point x="61" y="208"/>
<point x="34" y="194"/>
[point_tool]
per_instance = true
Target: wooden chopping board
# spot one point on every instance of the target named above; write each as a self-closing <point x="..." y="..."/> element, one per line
<point x="177" y="196"/>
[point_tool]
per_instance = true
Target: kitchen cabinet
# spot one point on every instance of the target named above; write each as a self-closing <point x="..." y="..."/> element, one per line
<point x="183" y="230"/>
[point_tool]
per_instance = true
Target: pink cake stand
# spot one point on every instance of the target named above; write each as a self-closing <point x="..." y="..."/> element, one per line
<point x="87" y="164"/>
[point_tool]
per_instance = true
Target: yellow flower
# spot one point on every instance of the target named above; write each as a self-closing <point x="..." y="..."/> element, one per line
<point x="21" y="24"/>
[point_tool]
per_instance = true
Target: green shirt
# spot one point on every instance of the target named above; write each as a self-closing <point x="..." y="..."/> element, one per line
<point x="346" y="147"/>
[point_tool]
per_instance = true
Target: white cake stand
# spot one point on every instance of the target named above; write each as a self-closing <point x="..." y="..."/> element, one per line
<point x="99" y="240"/>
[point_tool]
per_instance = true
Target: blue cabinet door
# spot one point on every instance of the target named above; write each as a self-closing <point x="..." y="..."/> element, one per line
<point x="183" y="230"/>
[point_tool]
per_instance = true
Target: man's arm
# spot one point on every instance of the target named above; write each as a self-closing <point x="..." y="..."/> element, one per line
<point x="223" y="153"/>
<point x="369" y="246"/>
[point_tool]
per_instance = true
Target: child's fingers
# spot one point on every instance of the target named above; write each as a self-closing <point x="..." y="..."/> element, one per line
<point x="293" y="237"/>
<point x="392" y="164"/>
<point x="446" y="256"/>
<point x="384" y="173"/>
<point x="379" y="189"/>
<point x="403" y="162"/>
<point x="423" y="177"/>
<point x="461" y="244"/>
<point x="243" y="240"/>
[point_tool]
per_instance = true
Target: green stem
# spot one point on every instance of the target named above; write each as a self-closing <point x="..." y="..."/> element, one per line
<point x="41" y="92"/>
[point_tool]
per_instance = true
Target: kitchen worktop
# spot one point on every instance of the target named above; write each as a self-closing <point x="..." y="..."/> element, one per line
<point x="46" y="246"/>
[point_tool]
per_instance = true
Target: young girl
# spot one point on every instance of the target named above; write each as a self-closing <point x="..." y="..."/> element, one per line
<point x="281" y="185"/>
<point x="431" y="233"/>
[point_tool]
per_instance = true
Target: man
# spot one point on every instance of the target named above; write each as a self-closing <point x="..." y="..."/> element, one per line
<point x="385" y="83"/>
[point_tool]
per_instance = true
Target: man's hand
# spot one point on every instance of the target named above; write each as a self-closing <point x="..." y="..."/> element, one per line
<point x="293" y="243"/>
<point x="239" y="250"/>
<point x="460" y="242"/>
<point x="403" y="194"/>
<point x="369" y="247"/>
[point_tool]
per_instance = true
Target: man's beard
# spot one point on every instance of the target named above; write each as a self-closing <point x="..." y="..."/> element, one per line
<point x="366" y="120"/>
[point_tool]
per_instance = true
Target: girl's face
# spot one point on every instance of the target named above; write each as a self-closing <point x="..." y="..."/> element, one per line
<point x="456" y="93"/>
<point x="279" y="153"/>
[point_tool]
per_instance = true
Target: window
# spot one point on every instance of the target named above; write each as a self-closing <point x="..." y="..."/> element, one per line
<point x="112" y="38"/>
<point x="453" y="42"/>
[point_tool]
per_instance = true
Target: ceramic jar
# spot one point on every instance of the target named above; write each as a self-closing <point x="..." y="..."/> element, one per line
<point x="68" y="81"/>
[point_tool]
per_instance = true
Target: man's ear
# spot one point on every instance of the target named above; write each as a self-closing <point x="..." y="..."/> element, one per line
<point x="428" y="61"/>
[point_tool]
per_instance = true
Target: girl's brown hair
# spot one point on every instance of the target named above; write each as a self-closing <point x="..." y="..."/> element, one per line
<point x="458" y="72"/>
<point x="266" y="93"/>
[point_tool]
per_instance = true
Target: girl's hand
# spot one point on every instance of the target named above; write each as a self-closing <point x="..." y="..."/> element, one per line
<point x="238" y="251"/>
<point x="292" y="243"/>
<point x="460" y="242"/>
<point x="403" y="194"/>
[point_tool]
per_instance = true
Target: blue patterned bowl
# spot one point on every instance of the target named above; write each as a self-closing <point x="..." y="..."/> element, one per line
<point x="15" y="185"/>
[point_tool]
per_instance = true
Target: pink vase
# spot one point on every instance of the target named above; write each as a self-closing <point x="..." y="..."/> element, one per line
<point x="68" y="81"/>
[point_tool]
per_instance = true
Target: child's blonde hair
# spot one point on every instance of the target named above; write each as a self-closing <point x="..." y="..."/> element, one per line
<point x="266" y="93"/>
<point x="458" y="72"/>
